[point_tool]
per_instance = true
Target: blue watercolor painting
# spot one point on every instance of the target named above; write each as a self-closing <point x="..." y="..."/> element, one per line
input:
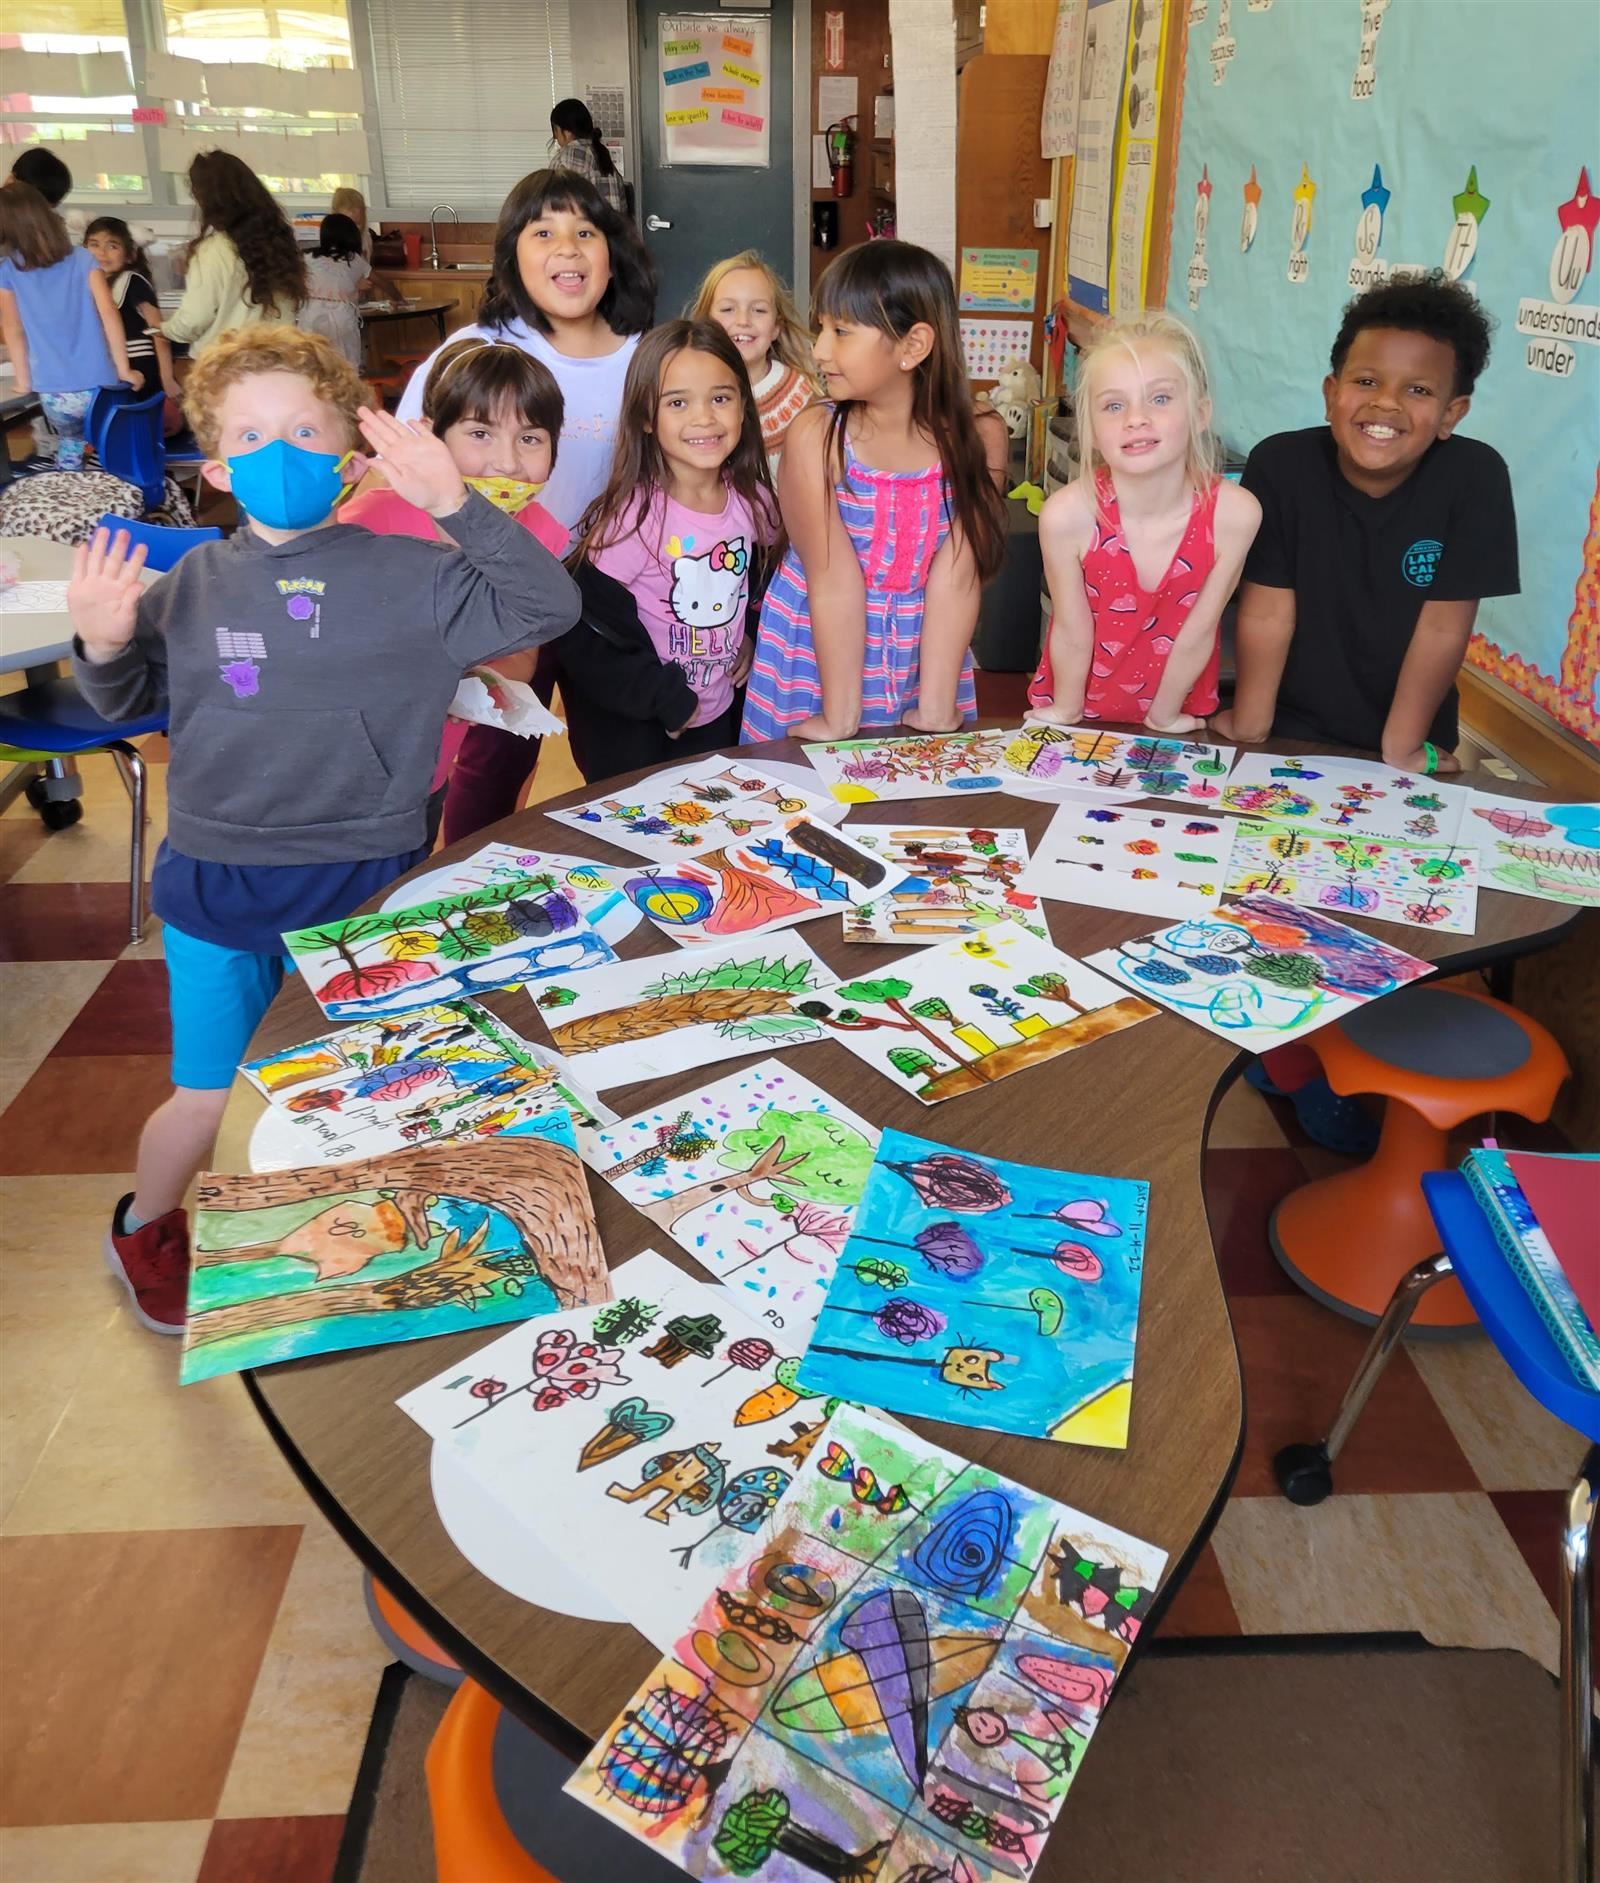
<point x="987" y="1293"/>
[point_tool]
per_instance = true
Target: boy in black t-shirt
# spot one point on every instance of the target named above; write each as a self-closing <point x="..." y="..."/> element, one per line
<point x="1380" y="533"/>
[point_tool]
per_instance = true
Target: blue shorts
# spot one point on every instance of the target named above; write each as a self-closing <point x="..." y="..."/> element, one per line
<point x="217" y="997"/>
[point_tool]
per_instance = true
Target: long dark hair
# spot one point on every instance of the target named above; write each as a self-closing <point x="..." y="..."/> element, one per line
<point x="629" y="302"/>
<point x="233" y="201"/>
<point x="639" y="470"/>
<point x="892" y="287"/>
<point x="338" y="238"/>
<point x="31" y="232"/>
<point x="119" y="231"/>
<point x="572" y="114"/>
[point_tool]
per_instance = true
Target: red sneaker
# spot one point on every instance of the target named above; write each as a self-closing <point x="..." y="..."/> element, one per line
<point x="152" y="1263"/>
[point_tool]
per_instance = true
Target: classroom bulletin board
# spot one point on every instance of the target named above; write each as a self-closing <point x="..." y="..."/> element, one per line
<point x="1327" y="147"/>
<point x="715" y="73"/>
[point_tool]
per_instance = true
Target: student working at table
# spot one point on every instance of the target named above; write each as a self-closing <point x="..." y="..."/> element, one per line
<point x="306" y="666"/>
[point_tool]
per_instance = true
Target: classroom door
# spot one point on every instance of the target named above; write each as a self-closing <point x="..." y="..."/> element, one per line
<point x="695" y="214"/>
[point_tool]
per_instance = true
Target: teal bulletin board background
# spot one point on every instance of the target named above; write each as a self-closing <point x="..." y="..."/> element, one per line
<point x="1508" y="88"/>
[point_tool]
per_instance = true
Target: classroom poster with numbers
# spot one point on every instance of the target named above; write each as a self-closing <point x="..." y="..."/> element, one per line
<point x="716" y="70"/>
<point x="1328" y="148"/>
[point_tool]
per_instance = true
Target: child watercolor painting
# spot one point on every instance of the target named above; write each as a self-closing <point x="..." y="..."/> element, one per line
<point x="1421" y="885"/>
<point x="757" y="1176"/>
<point x="1548" y="851"/>
<point x="897" y="1681"/>
<point x="959" y="1015"/>
<point x="432" y="1241"/>
<point x="956" y="882"/>
<point x="1117" y="765"/>
<point x="771" y="880"/>
<point x="1341" y="794"/>
<point x="643" y="1441"/>
<point x="1104" y="856"/>
<point x="987" y="1293"/>
<point x="596" y="897"/>
<point x="1261" y="971"/>
<point x="520" y="930"/>
<point x="668" y="1013"/>
<point x="449" y="1072"/>
<point x="696" y="809"/>
<point x="934" y="764"/>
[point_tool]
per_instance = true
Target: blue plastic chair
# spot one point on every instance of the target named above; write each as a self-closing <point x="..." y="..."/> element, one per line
<point x="163" y="544"/>
<point x="126" y="435"/>
<point x="1502" y="1304"/>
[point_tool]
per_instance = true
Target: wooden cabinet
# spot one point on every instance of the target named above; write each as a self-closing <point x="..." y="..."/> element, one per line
<point x="391" y="342"/>
<point x="999" y="171"/>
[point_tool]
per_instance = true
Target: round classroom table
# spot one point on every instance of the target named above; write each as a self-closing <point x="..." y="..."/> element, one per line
<point x="1136" y="1104"/>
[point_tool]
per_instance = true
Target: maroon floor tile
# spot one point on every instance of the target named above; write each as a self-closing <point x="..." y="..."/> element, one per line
<point x="1202" y="1605"/>
<point x="79" y="1114"/>
<point x="271" y="1850"/>
<point x="63" y="921"/>
<point x="126" y="1013"/>
<point x="1241" y="1189"/>
<point x="1298" y="1357"/>
<point x="1534" y="1519"/>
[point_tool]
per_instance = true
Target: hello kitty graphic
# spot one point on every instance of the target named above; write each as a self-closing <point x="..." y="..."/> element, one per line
<point x="707" y="600"/>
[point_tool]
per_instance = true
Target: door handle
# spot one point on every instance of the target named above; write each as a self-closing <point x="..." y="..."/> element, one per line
<point x="654" y="223"/>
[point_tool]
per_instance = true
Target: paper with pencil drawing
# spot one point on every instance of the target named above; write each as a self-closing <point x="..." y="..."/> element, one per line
<point x="1168" y="862"/>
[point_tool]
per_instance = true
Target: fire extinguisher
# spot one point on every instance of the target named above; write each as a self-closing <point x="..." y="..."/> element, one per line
<point x="841" y="154"/>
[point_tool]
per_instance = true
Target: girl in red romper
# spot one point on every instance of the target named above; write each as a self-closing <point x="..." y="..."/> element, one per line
<point x="1143" y="551"/>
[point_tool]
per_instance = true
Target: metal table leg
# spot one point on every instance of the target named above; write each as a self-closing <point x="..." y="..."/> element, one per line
<point x="1577" y="1672"/>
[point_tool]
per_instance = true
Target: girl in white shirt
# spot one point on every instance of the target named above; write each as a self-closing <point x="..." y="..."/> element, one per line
<point x="336" y="276"/>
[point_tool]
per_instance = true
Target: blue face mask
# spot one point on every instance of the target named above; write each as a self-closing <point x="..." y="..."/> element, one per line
<point x="285" y="486"/>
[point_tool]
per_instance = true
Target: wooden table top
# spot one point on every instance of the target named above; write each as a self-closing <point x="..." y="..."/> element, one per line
<point x="1136" y="1104"/>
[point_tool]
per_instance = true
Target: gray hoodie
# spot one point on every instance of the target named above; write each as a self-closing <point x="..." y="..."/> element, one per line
<point x="307" y="681"/>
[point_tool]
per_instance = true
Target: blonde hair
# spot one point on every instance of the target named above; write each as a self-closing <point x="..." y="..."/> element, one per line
<point x="1138" y="333"/>
<point x="245" y="352"/>
<point x="792" y="346"/>
<point x="351" y="203"/>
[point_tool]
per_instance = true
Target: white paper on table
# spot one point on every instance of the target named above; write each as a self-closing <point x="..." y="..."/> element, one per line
<point x="1169" y="862"/>
<point x="958" y="880"/>
<point x="587" y="883"/>
<point x="1345" y="795"/>
<point x="1201" y="970"/>
<point x="1421" y="885"/>
<point x="872" y="768"/>
<point x="518" y="708"/>
<point x="34" y="598"/>
<point x="1090" y="760"/>
<point x="1548" y="851"/>
<point x="690" y="1164"/>
<point x="634" y="1020"/>
<point x="646" y="1483"/>
<point x="691" y="809"/>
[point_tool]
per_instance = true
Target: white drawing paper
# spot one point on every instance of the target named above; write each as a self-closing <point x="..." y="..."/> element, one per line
<point x="1343" y="794"/>
<point x="1168" y="862"/>
<point x="957" y="880"/>
<point x="583" y="880"/>
<point x="1422" y="885"/>
<point x="1118" y="765"/>
<point x="872" y="769"/>
<point x="1548" y="851"/>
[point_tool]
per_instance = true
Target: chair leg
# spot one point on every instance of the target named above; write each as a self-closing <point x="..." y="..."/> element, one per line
<point x="1577" y="1672"/>
<point x="132" y="771"/>
<point x="1305" y="1472"/>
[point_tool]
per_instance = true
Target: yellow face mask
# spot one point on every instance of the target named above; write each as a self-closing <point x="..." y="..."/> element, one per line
<point x="510" y="494"/>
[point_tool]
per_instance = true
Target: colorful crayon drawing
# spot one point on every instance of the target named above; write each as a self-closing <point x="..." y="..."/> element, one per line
<point x="955" y="1017"/>
<point x="430" y="1241"/>
<point x="696" y="809"/>
<point x="426" y="1077"/>
<point x="1549" y="851"/>
<point x="1260" y="971"/>
<point x="1343" y="794"/>
<point x="898" y="1693"/>
<point x="586" y="882"/>
<point x="670" y="1013"/>
<point x="931" y="765"/>
<point x="1167" y="862"/>
<point x="773" y="879"/>
<point x="1419" y="884"/>
<point x="472" y="943"/>
<point x="987" y="1293"/>
<point x="1117" y="764"/>
<point x="757" y="1177"/>
<point x="642" y="1441"/>
<point x="956" y="882"/>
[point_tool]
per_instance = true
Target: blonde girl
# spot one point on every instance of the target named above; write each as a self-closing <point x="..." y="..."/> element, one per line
<point x="753" y="307"/>
<point x="1143" y="550"/>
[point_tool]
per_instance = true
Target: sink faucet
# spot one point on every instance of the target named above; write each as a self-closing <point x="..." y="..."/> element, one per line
<point x="433" y="232"/>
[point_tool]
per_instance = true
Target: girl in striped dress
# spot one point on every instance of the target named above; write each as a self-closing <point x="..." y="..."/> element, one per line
<point x="890" y="498"/>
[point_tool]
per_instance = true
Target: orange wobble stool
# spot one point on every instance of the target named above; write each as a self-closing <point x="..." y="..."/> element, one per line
<point x="1439" y="1054"/>
<point x="472" y="1840"/>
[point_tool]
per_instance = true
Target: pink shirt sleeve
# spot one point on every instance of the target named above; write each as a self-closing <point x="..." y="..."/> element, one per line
<point x="386" y="513"/>
<point x="538" y="520"/>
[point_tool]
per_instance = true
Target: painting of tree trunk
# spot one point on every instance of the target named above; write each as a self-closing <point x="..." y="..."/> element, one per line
<point x="665" y="1013"/>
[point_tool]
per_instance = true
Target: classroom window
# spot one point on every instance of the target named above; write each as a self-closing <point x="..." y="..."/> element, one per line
<point x="77" y="122"/>
<point x="464" y="90"/>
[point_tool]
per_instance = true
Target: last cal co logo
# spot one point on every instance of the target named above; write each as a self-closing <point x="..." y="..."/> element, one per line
<point x="1420" y="563"/>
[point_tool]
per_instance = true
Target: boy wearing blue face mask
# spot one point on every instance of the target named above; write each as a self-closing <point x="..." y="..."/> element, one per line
<point x="306" y="666"/>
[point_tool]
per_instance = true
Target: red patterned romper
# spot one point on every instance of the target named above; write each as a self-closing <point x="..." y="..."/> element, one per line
<point x="1134" y="628"/>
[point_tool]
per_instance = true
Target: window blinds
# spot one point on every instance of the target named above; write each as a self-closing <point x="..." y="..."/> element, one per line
<point x="464" y="90"/>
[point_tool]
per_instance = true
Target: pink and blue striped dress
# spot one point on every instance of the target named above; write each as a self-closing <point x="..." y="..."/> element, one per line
<point x="897" y="521"/>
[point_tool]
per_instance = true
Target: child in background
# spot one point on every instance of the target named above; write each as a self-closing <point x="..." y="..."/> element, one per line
<point x="572" y="285"/>
<point x="1381" y="532"/>
<point x="894" y="517"/>
<point x="306" y="668"/>
<point x="110" y="241"/>
<point x="350" y="202"/>
<point x="746" y="298"/>
<point x="336" y="278"/>
<point x="57" y="318"/>
<point x="244" y="266"/>
<point x="499" y="413"/>
<point x="669" y="560"/>
<point x="1143" y="551"/>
